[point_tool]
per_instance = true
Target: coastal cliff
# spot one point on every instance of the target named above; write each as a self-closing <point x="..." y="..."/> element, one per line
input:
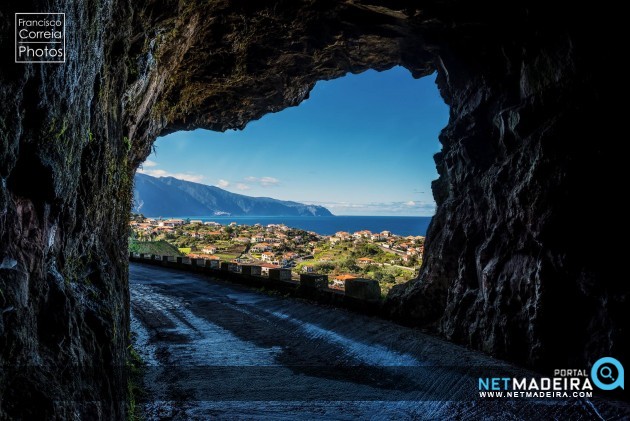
<point x="155" y="196"/>
<point x="506" y="272"/>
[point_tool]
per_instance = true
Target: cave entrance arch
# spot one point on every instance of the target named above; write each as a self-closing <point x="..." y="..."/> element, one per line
<point x="491" y="248"/>
<point x="525" y="85"/>
<point x="361" y="145"/>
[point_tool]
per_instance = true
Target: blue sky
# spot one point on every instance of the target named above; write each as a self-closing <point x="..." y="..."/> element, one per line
<point x="360" y="145"/>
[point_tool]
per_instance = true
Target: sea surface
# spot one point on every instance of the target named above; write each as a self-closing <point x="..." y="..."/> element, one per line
<point x="328" y="225"/>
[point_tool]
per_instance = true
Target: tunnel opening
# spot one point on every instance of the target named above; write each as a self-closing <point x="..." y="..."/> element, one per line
<point x="525" y="85"/>
<point x="349" y="172"/>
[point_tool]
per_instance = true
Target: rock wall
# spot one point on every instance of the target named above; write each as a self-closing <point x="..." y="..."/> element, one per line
<point x="519" y="257"/>
<point x="506" y="272"/>
<point x="65" y="180"/>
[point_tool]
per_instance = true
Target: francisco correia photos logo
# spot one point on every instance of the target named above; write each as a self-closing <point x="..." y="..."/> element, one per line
<point x="40" y="38"/>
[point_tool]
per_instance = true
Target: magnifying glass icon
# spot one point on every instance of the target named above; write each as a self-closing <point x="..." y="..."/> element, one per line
<point x="606" y="373"/>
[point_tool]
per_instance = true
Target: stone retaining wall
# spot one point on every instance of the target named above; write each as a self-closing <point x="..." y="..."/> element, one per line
<point x="365" y="297"/>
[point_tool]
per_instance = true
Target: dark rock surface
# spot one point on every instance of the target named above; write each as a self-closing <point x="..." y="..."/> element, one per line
<point x="527" y="151"/>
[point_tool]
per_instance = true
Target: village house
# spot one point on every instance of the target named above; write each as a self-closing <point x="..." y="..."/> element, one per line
<point x="267" y="256"/>
<point x="339" y="281"/>
<point x="212" y="223"/>
<point x="171" y="223"/>
<point x="209" y="250"/>
<point x="261" y="247"/>
<point x="386" y="234"/>
<point x="264" y="268"/>
<point x="364" y="261"/>
<point x="281" y="261"/>
<point x="196" y="222"/>
<point x="243" y="240"/>
<point x="258" y="238"/>
<point x="165" y="229"/>
<point x="334" y="240"/>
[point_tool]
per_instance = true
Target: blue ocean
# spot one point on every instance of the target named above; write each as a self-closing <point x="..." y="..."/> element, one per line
<point x="328" y="225"/>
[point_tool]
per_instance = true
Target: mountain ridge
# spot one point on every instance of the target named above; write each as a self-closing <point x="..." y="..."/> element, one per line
<point x="170" y="196"/>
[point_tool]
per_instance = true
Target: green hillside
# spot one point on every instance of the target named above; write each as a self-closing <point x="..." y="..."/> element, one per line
<point x="153" y="247"/>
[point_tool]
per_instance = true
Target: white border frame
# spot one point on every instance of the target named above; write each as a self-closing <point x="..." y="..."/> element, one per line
<point x="45" y="61"/>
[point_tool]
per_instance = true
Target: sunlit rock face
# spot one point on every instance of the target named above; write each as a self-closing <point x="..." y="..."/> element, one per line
<point x="506" y="269"/>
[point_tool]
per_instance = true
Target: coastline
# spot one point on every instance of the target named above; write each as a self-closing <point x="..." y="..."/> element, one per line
<point x="327" y="225"/>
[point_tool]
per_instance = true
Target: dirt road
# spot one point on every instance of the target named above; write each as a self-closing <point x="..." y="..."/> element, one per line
<point x="218" y="350"/>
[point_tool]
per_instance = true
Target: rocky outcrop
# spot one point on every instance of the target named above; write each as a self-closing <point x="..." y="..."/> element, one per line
<point x="525" y="90"/>
<point x="65" y="188"/>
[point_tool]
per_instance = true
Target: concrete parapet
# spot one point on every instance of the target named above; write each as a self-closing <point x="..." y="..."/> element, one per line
<point x="363" y="289"/>
<point x="213" y="264"/>
<point x="313" y="281"/>
<point x="280" y="274"/>
<point x="252" y="270"/>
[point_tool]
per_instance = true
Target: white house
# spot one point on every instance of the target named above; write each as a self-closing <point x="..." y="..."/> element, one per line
<point x="267" y="256"/>
<point x="258" y="238"/>
<point x="264" y="268"/>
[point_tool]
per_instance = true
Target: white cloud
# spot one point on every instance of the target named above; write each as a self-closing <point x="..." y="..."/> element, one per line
<point x="242" y="186"/>
<point x="269" y="181"/>
<point x="263" y="181"/>
<point x="410" y="203"/>
<point x="223" y="183"/>
<point x="148" y="163"/>
<point x="154" y="173"/>
<point x="195" y="178"/>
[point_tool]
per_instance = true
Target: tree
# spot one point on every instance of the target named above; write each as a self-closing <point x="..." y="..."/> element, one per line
<point x="388" y="278"/>
<point x="349" y="265"/>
